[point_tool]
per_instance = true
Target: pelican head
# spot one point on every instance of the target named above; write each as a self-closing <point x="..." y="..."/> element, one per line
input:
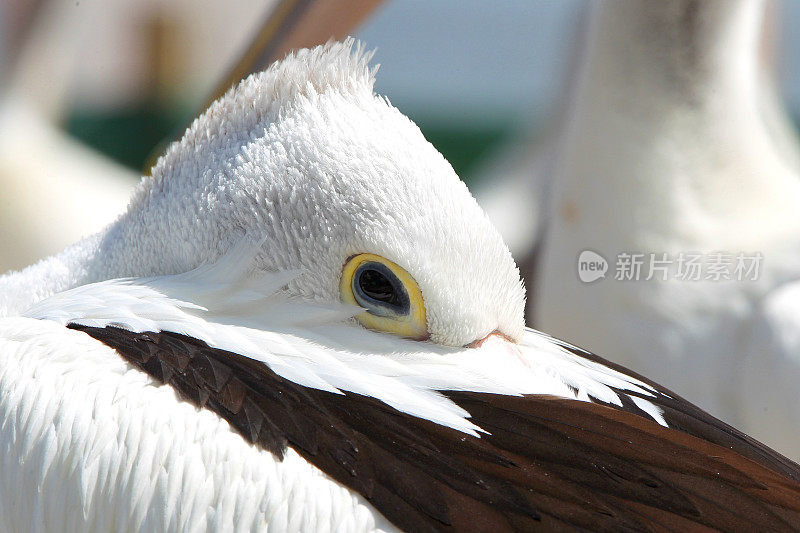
<point x="340" y="186"/>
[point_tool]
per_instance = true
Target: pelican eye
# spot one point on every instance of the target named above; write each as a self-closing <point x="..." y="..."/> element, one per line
<point x="390" y="296"/>
<point x="378" y="290"/>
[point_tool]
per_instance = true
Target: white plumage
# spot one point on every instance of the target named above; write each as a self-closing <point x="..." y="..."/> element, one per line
<point x="306" y="343"/>
<point x="91" y="444"/>
<point x="307" y="158"/>
<point x="278" y="410"/>
<point x="302" y="154"/>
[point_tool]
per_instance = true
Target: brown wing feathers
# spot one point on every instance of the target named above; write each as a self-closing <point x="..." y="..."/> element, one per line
<point x="547" y="463"/>
<point x="687" y="417"/>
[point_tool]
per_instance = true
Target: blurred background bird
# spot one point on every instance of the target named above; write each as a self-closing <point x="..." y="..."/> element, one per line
<point x="88" y="90"/>
<point x="677" y="167"/>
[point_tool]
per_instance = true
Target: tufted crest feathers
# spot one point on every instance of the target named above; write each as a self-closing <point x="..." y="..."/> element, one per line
<point x="258" y="99"/>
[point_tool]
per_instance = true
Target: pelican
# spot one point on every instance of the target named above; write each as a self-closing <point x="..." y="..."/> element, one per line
<point x="672" y="151"/>
<point x="40" y="214"/>
<point x="305" y="322"/>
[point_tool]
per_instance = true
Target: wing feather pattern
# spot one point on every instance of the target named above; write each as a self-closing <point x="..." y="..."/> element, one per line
<point x="546" y="462"/>
<point x="683" y="415"/>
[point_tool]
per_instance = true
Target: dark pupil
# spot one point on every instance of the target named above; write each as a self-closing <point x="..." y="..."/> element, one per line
<point x="377" y="286"/>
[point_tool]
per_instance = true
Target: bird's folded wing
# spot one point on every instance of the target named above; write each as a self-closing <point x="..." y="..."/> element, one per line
<point x="542" y="460"/>
<point x="680" y="414"/>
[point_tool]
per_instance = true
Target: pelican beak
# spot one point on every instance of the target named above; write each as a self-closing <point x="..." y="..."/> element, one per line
<point x="492" y="337"/>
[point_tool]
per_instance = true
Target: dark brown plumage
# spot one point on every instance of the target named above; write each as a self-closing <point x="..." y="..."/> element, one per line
<point x="547" y="463"/>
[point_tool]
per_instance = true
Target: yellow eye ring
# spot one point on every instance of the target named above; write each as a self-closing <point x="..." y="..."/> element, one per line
<point x="391" y="297"/>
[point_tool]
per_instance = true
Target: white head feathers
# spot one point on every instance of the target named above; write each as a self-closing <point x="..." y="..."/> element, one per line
<point x="307" y="158"/>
